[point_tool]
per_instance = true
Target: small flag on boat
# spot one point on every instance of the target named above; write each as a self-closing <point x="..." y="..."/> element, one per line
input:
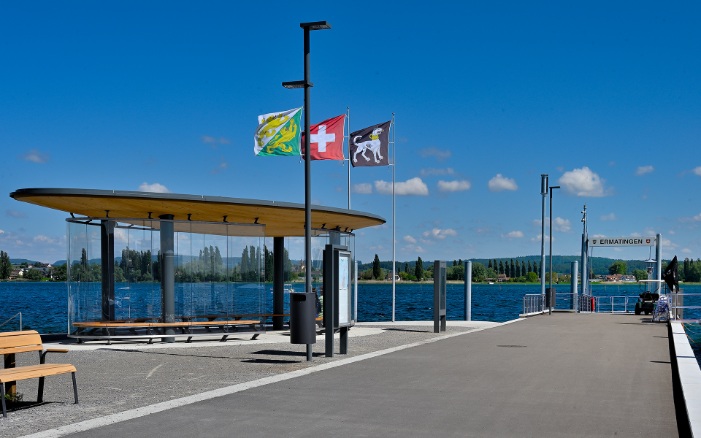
<point x="369" y="146"/>
<point x="326" y="139"/>
<point x="278" y="133"/>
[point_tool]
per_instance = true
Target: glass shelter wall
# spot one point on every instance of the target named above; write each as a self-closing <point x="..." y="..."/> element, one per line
<point x="216" y="276"/>
<point x="221" y="271"/>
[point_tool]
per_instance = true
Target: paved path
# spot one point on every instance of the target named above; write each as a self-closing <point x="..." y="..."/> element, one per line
<point x="561" y="375"/>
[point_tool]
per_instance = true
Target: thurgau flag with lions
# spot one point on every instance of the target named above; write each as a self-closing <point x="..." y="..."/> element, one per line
<point x="369" y="146"/>
<point x="278" y="133"/>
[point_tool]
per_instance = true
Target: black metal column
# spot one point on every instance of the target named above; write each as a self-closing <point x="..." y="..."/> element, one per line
<point x="330" y="306"/>
<point x="107" y="257"/>
<point x="168" y="273"/>
<point x="278" y="281"/>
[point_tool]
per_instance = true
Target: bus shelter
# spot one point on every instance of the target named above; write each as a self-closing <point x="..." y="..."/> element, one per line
<point x="160" y="265"/>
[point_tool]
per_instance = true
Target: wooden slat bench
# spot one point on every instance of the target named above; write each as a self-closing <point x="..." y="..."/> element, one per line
<point x="152" y="328"/>
<point x="23" y="342"/>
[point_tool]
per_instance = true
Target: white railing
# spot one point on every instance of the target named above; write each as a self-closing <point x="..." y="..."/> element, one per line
<point x="685" y="307"/>
<point x="532" y="303"/>
<point x="13" y="317"/>
<point x="615" y="304"/>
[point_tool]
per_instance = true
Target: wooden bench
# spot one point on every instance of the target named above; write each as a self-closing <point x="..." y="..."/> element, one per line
<point x="26" y="341"/>
<point x="151" y="327"/>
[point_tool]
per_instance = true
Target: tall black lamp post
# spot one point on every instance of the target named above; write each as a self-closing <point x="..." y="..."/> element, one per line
<point x="551" y="295"/>
<point x="306" y="84"/>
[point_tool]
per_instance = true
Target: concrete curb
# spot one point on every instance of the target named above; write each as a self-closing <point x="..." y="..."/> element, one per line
<point x="689" y="376"/>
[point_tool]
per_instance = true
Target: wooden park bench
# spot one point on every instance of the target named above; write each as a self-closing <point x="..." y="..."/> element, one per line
<point x="26" y="341"/>
<point x="158" y="329"/>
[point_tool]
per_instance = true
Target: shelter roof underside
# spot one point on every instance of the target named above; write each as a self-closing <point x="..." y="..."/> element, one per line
<point x="279" y="218"/>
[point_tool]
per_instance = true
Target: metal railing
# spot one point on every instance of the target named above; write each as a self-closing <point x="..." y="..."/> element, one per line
<point x="13" y="317"/>
<point x="533" y="303"/>
<point x="585" y="303"/>
<point x="615" y="304"/>
<point x="685" y="307"/>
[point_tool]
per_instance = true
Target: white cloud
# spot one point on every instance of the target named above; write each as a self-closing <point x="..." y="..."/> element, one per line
<point x="514" y="234"/>
<point x="409" y="239"/>
<point x="583" y="182"/>
<point x="560" y="224"/>
<point x="500" y="183"/>
<point x="440" y="172"/>
<point x="223" y="165"/>
<point x="642" y="170"/>
<point x="436" y="153"/>
<point x="363" y="189"/>
<point x="439" y="234"/>
<point x="453" y="186"/>
<point x="608" y="217"/>
<point x="413" y="186"/>
<point x="2" y="231"/>
<point x="40" y="238"/>
<point x="36" y="156"/>
<point x="697" y="218"/>
<point x="208" y="139"/>
<point x="154" y="188"/>
<point x="15" y="214"/>
<point x="697" y="170"/>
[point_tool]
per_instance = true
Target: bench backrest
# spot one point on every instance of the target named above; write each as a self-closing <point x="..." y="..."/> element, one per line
<point x="20" y="342"/>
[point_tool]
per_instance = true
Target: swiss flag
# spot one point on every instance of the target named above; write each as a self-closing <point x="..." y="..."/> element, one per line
<point x="326" y="139"/>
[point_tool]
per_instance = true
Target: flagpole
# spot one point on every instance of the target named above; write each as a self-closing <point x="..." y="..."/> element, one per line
<point x="394" y="223"/>
<point x="349" y="162"/>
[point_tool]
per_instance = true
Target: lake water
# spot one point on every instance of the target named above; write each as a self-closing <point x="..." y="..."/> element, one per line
<point x="44" y="305"/>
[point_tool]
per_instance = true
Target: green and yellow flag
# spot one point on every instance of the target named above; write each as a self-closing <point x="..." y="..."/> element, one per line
<point x="279" y="133"/>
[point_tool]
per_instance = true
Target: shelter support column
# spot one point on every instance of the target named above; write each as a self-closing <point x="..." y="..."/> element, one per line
<point x="168" y="273"/>
<point x="278" y="281"/>
<point x="107" y="257"/>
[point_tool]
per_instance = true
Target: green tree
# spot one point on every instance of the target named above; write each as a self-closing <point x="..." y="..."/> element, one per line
<point x="59" y="273"/>
<point x="33" y="274"/>
<point x="640" y="274"/>
<point x="532" y="277"/>
<point x="5" y="265"/>
<point x="618" y="267"/>
<point x="376" y="269"/>
<point x="479" y="272"/>
<point x="419" y="269"/>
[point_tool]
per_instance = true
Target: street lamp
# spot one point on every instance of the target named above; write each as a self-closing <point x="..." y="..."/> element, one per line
<point x="544" y="193"/>
<point x="306" y="84"/>
<point x="551" y="295"/>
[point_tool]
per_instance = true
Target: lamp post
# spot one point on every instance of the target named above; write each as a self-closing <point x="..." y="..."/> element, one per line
<point x="306" y="84"/>
<point x="544" y="193"/>
<point x="551" y="295"/>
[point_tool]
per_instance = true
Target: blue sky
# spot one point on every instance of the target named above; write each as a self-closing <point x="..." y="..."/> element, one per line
<point x="604" y="97"/>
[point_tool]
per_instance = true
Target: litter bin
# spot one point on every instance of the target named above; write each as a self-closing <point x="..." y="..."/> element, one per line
<point x="549" y="297"/>
<point x="302" y="318"/>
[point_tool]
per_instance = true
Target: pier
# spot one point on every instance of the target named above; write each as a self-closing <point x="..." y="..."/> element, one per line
<point x="584" y="375"/>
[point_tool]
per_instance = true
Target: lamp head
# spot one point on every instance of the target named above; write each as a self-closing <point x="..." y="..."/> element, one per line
<point x="315" y="25"/>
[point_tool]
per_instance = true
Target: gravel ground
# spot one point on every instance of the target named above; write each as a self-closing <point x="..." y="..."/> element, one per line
<point x="125" y="376"/>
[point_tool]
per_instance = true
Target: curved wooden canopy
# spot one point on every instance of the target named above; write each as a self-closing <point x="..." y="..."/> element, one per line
<point x="280" y="219"/>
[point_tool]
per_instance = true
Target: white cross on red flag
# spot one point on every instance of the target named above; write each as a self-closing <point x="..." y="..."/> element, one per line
<point x="326" y="139"/>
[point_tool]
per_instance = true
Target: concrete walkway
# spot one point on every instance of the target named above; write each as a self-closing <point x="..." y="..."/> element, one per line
<point x="560" y="375"/>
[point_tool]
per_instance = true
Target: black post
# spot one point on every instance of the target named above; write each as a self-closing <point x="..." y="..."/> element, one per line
<point x="307" y="181"/>
<point x="551" y="292"/>
<point x="168" y="274"/>
<point x="107" y="256"/>
<point x="278" y="281"/>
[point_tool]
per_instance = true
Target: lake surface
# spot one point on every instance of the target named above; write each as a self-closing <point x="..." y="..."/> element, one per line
<point x="44" y="305"/>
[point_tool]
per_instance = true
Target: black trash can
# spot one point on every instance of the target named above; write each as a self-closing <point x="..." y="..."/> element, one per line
<point x="549" y="297"/>
<point x="302" y="318"/>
